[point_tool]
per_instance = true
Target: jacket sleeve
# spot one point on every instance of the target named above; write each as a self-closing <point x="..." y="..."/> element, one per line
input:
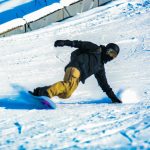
<point x="84" y="46"/>
<point x="102" y="81"/>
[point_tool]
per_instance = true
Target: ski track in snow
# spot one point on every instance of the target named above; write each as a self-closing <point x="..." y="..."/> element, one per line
<point x="31" y="60"/>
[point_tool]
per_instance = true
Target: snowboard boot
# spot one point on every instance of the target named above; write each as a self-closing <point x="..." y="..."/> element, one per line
<point x="40" y="91"/>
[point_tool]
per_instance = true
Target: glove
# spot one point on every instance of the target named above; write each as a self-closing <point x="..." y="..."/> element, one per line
<point x="113" y="97"/>
<point x="116" y="100"/>
<point x="41" y="91"/>
<point x="59" y="43"/>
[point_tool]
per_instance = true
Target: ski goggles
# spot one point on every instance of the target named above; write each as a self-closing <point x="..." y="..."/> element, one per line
<point x="112" y="53"/>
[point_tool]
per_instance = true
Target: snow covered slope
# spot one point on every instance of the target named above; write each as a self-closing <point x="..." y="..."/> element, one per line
<point x="85" y="120"/>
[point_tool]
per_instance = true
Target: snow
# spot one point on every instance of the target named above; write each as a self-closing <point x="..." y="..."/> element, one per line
<point x="86" y="120"/>
<point x="29" y="17"/>
<point x="42" y="12"/>
<point x="67" y="2"/>
<point x="18" y="8"/>
<point x="12" y="24"/>
<point x="29" y="8"/>
<point x="129" y="96"/>
<point x="6" y="5"/>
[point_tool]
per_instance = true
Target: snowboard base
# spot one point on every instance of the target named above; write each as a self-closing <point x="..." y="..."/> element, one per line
<point x="45" y="101"/>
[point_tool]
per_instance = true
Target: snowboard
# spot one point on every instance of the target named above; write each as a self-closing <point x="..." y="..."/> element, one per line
<point x="44" y="100"/>
<point x="37" y="102"/>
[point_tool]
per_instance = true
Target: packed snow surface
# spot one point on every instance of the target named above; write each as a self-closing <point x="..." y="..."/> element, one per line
<point x="87" y="120"/>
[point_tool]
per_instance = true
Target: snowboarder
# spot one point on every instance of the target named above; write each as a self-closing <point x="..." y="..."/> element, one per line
<point x="85" y="61"/>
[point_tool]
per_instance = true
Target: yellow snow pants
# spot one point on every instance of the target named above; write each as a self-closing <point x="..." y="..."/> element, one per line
<point x="64" y="89"/>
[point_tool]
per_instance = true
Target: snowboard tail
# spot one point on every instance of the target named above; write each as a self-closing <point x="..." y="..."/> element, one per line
<point x="44" y="100"/>
<point x="37" y="102"/>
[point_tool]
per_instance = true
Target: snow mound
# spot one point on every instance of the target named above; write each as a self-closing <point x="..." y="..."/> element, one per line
<point x="129" y="96"/>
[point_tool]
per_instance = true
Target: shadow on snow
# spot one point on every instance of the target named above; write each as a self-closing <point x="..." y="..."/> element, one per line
<point x="23" y="100"/>
<point x="95" y="101"/>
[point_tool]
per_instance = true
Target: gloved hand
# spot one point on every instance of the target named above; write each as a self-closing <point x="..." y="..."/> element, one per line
<point x="40" y="91"/>
<point x="59" y="43"/>
<point x="113" y="97"/>
<point x="116" y="100"/>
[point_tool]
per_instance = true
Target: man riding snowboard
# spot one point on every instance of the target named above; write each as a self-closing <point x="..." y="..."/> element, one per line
<point x="85" y="61"/>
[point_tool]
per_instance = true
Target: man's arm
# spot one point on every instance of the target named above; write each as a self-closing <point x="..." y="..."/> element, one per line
<point x="82" y="45"/>
<point x="102" y="81"/>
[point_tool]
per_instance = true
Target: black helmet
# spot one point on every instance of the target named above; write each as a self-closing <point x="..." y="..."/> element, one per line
<point x="113" y="46"/>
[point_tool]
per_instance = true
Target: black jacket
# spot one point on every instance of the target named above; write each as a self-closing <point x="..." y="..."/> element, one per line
<point x="88" y="60"/>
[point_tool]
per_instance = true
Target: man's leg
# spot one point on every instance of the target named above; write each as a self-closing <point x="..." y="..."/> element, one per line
<point x="64" y="89"/>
